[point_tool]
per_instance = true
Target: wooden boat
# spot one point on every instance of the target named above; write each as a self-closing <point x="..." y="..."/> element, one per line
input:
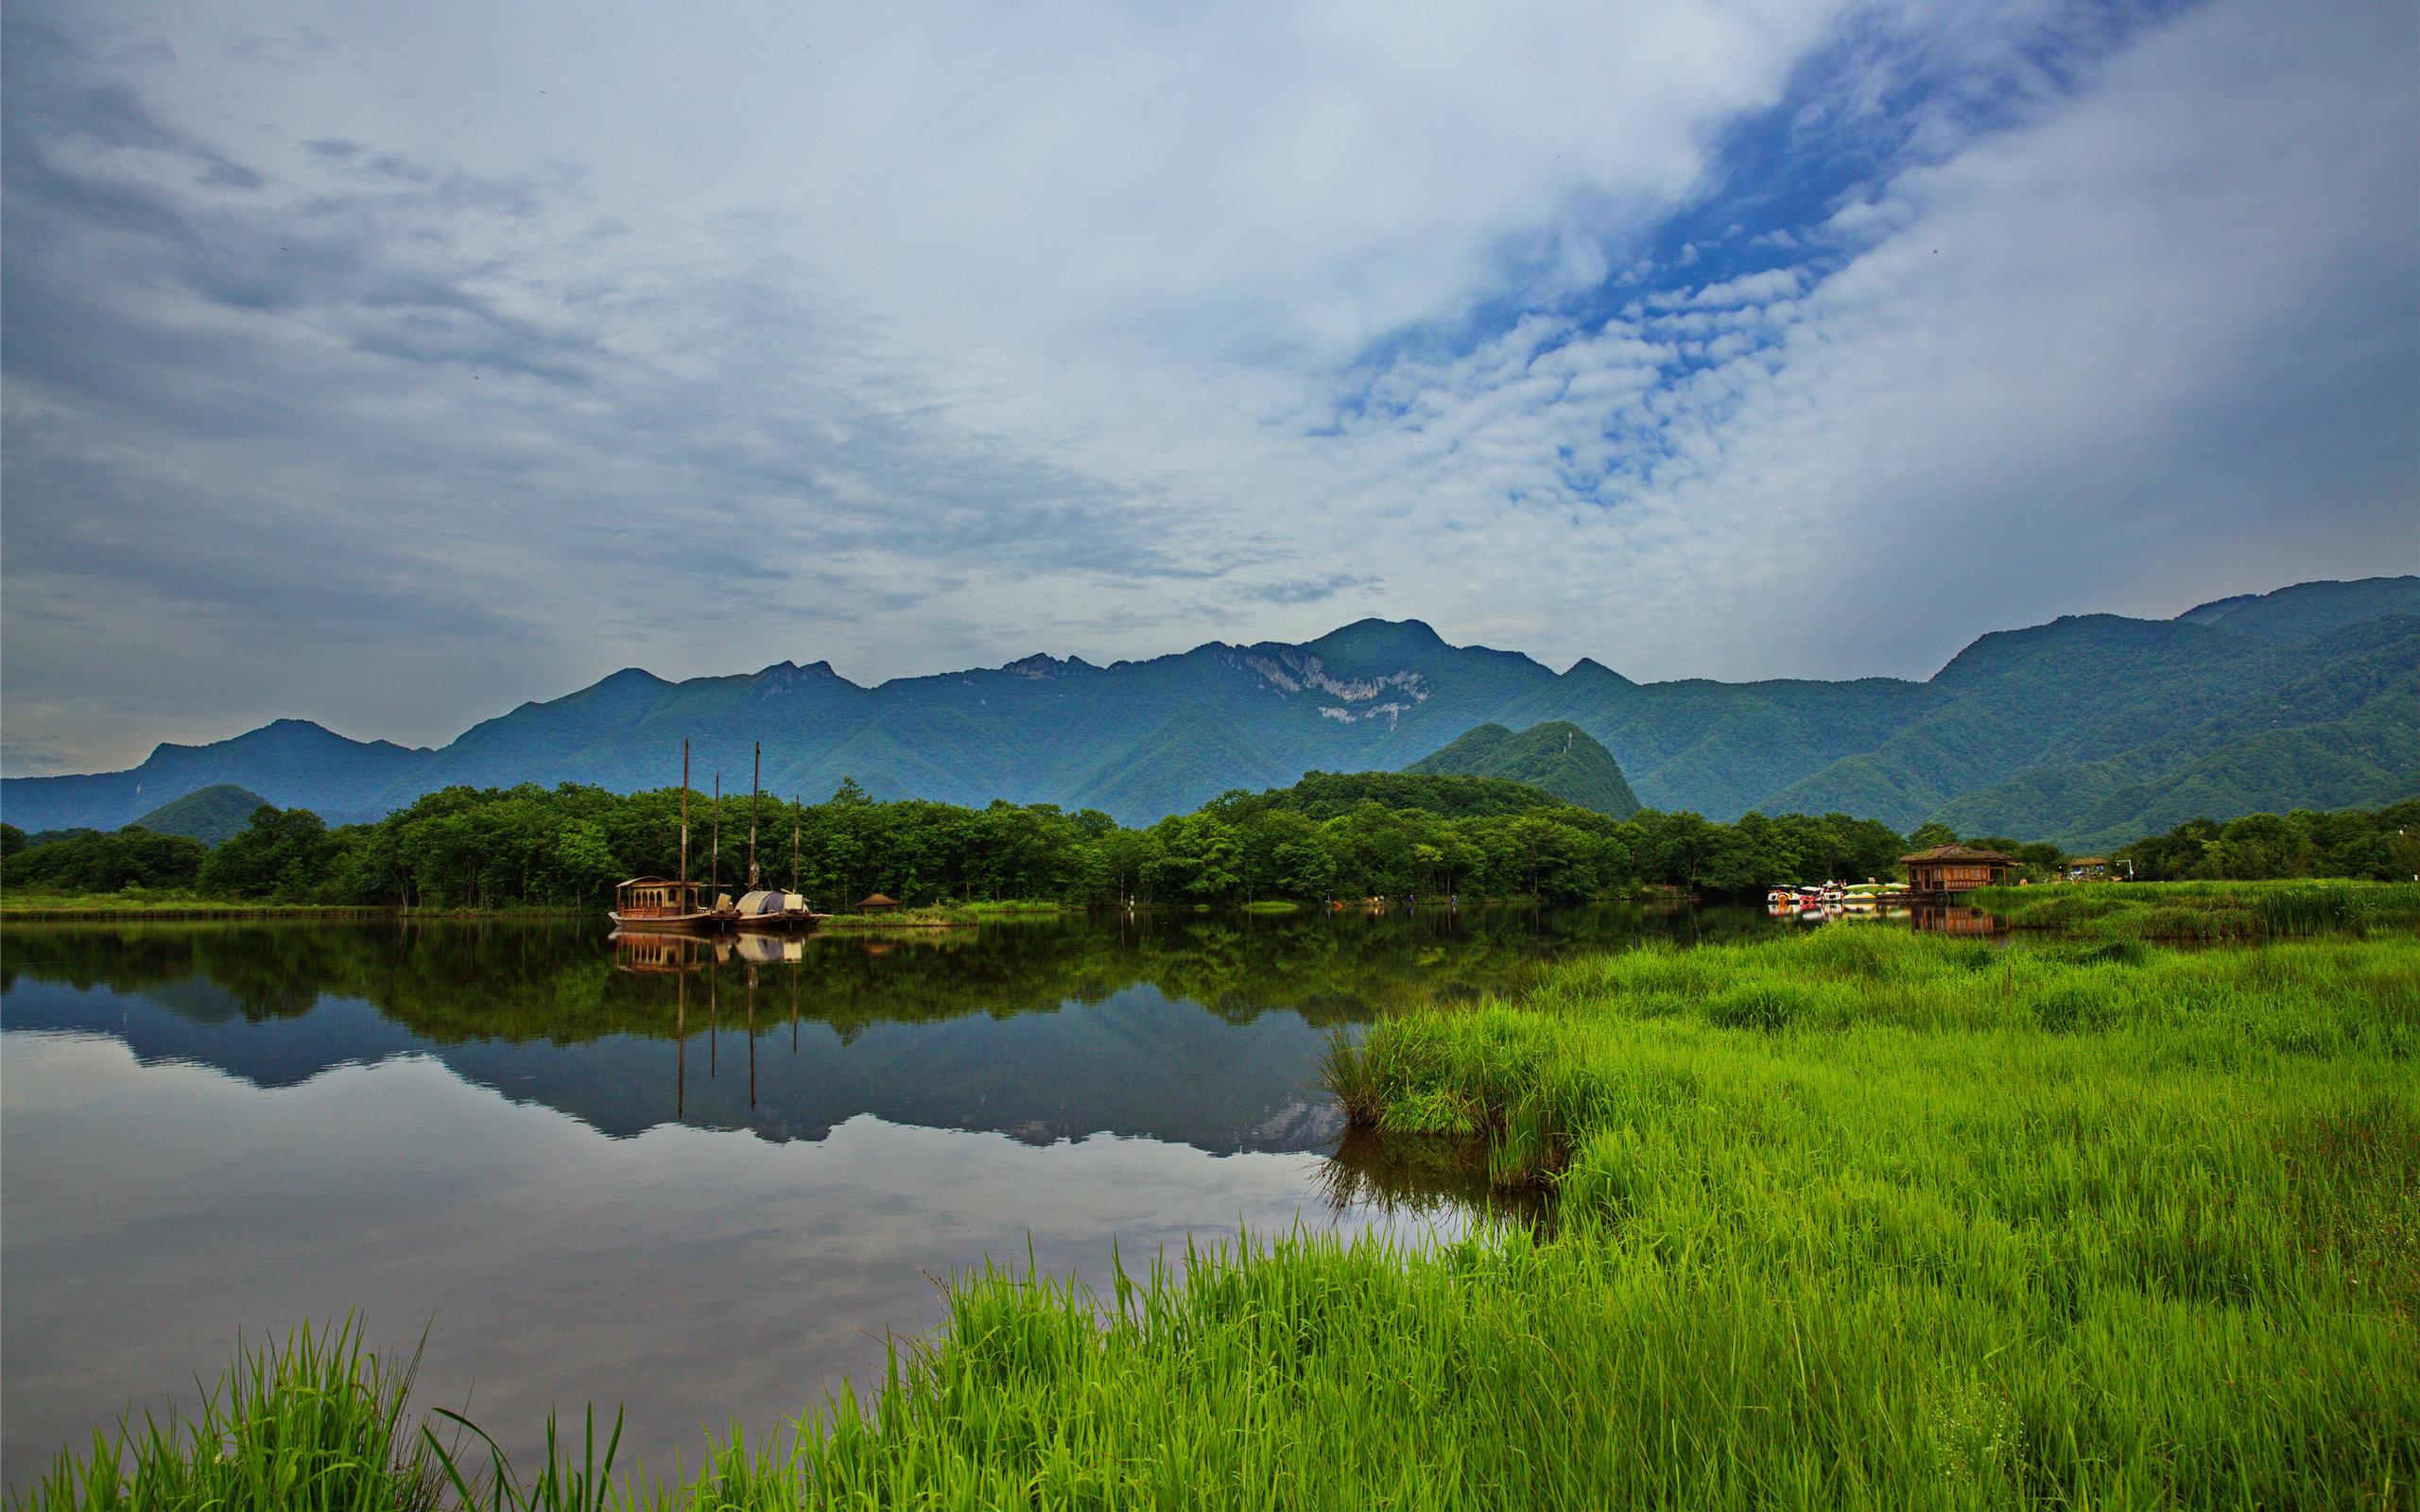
<point x="768" y="910"/>
<point x="658" y="906"/>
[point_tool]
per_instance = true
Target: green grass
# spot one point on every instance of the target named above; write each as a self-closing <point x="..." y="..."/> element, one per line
<point x="1273" y="905"/>
<point x="314" y="1424"/>
<point x="1004" y="907"/>
<point x="1858" y="1218"/>
<point x="950" y="917"/>
<point x="2207" y="910"/>
<point x="140" y="903"/>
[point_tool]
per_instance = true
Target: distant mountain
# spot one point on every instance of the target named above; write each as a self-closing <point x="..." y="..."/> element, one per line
<point x="1560" y="757"/>
<point x="208" y="815"/>
<point x="2087" y="727"/>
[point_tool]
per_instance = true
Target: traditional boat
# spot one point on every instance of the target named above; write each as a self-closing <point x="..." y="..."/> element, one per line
<point x="661" y="905"/>
<point x="658" y="906"/>
<point x="771" y="909"/>
<point x="764" y="909"/>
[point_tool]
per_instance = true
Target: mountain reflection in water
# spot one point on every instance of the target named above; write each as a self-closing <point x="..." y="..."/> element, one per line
<point x="1205" y="1032"/>
<point x="704" y="1194"/>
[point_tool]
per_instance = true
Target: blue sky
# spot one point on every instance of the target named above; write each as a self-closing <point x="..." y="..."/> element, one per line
<point x="389" y="369"/>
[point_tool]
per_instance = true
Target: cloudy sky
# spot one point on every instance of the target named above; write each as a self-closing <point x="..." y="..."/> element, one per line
<point x="388" y="364"/>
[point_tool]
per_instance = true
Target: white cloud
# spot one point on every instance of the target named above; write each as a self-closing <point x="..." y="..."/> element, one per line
<point x="918" y="337"/>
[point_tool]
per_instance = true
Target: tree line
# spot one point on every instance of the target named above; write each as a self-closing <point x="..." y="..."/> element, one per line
<point x="1331" y="835"/>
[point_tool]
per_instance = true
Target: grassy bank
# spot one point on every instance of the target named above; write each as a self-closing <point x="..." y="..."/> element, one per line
<point x="1016" y="907"/>
<point x="1861" y="1217"/>
<point x="2207" y="910"/>
<point x="952" y="916"/>
<point x="140" y="903"/>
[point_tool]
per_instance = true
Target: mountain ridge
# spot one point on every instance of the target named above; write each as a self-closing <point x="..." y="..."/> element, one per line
<point x="1158" y="735"/>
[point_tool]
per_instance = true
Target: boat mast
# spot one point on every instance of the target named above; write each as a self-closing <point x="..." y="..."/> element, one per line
<point x="756" y="782"/>
<point x="797" y="805"/>
<point x="717" y="882"/>
<point x="684" y="819"/>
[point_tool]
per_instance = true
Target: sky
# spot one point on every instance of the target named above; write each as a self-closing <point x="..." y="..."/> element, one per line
<point x="390" y="366"/>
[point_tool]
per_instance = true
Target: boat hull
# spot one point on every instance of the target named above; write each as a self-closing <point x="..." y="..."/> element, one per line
<point x="699" y="923"/>
<point x="778" y="923"/>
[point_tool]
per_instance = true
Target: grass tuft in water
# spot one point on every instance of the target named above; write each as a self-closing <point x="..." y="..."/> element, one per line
<point x="315" y="1423"/>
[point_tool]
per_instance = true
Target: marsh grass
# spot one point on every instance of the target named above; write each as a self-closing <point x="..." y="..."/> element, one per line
<point x="1862" y="1218"/>
<point x="2207" y="910"/>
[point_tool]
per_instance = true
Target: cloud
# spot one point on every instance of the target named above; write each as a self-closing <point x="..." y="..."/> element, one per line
<point x="390" y="368"/>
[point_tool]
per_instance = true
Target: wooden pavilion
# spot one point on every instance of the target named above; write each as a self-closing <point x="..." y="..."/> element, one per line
<point x="1945" y="870"/>
<point x="876" y="902"/>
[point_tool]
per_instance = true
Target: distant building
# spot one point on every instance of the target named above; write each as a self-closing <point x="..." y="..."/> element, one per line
<point x="877" y="903"/>
<point x="1952" y="868"/>
<point x="2087" y="869"/>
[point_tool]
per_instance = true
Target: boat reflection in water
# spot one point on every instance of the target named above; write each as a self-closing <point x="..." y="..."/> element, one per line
<point x="644" y="953"/>
<point x="1926" y="917"/>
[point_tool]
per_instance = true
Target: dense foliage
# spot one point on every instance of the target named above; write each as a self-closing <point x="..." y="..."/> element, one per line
<point x="89" y="861"/>
<point x="1332" y="836"/>
<point x="2384" y="845"/>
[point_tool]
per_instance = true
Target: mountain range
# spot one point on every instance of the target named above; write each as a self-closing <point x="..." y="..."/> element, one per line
<point x="2088" y="729"/>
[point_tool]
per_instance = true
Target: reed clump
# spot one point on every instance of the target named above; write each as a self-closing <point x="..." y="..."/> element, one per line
<point x="1860" y="1218"/>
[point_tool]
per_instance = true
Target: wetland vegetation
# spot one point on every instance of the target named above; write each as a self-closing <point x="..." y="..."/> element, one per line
<point x="1857" y="1216"/>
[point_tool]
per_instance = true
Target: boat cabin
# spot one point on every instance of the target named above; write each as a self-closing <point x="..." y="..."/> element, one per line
<point x="1954" y="868"/>
<point x="644" y="898"/>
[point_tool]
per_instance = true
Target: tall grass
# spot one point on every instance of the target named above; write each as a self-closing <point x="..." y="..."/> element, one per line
<point x="1858" y="1218"/>
<point x="315" y="1423"/>
<point x="2209" y="910"/>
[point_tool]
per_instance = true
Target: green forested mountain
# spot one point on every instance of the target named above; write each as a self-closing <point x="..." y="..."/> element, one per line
<point x="2088" y="727"/>
<point x="2345" y="734"/>
<point x="208" y="815"/>
<point x="1558" y="756"/>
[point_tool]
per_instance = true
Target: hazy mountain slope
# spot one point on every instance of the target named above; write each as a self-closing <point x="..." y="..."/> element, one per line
<point x="291" y="762"/>
<point x="2038" y="731"/>
<point x="1559" y="758"/>
<point x="208" y="815"/>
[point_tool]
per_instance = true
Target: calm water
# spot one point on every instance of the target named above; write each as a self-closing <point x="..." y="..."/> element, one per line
<point x="705" y="1187"/>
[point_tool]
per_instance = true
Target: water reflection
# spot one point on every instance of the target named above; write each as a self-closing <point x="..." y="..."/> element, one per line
<point x="1930" y="919"/>
<point x="1203" y="1032"/>
<point x="701" y="1182"/>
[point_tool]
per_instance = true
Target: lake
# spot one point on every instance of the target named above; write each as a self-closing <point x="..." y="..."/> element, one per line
<point x="706" y="1182"/>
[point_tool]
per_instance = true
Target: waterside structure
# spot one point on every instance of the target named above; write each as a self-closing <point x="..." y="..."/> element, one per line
<point x="1947" y="870"/>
